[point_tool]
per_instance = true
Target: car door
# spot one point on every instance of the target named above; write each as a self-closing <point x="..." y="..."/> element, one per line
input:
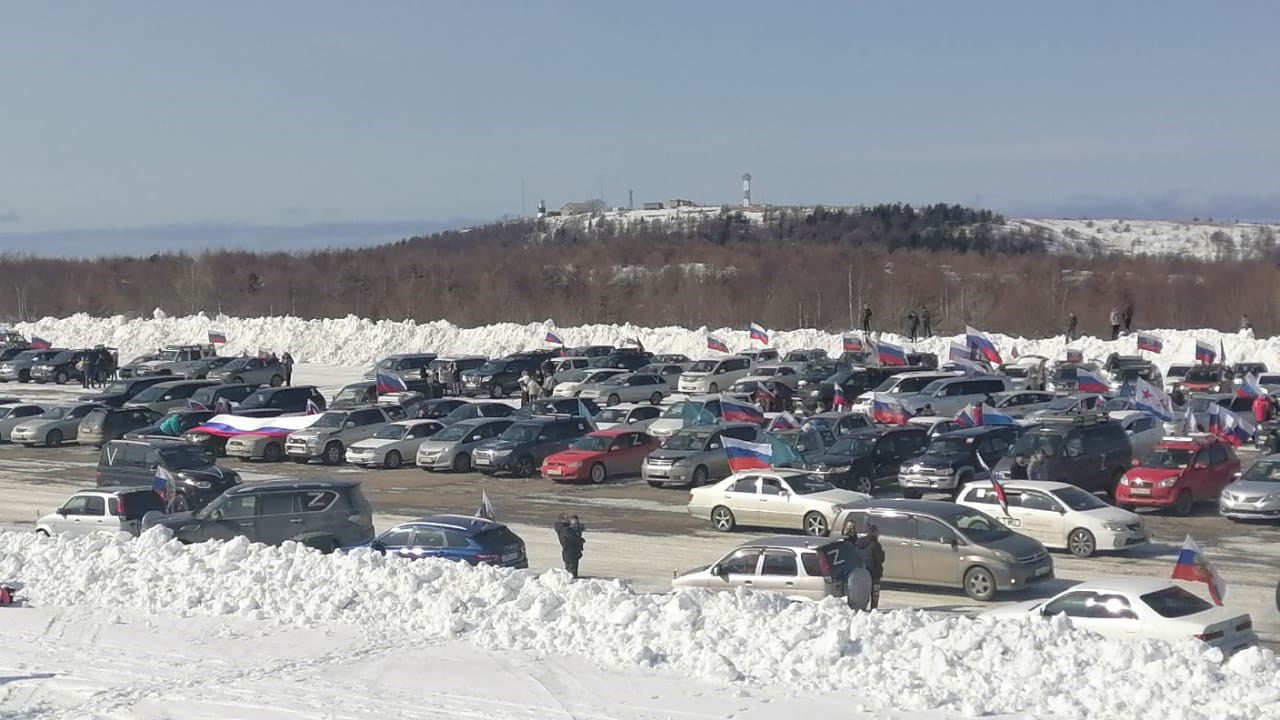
<point x="779" y="572"/>
<point x="70" y="518"/>
<point x="1081" y="469"/>
<point x="1219" y="474"/>
<point x="396" y="541"/>
<point x="1041" y="519"/>
<point x="743" y="497"/>
<point x="740" y="568"/>
<point x="935" y="552"/>
<point x="774" y="508"/>
<point x="278" y="517"/>
<point x="626" y="453"/>
<point x="896" y="537"/>
<point x="321" y="512"/>
<point x="884" y="459"/>
<point x="1107" y="615"/>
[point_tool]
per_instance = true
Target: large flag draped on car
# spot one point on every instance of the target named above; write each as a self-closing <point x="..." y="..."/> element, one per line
<point x="1229" y="426"/>
<point x="1193" y="566"/>
<point x="736" y="411"/>
<point x="887" y="409"/>
<point x="232" y="425"/>
<point x="388" y="383"/>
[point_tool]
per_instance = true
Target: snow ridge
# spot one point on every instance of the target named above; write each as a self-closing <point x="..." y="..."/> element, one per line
<point x="906" y="660"/>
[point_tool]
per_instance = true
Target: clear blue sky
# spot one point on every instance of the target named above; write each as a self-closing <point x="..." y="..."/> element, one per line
<point x="128" y="114"/>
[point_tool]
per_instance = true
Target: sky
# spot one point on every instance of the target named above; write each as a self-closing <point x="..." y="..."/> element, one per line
<point x="176" y="114"/>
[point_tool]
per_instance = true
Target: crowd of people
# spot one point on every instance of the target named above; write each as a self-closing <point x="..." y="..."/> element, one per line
<point x="97" y="367"/>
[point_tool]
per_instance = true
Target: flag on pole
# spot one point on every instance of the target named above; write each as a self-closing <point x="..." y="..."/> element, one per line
<point x="784" y="421"/>
<point x="758" y="333"/>
<point x="388" y="383"/>
<point x="1205" y="353"/>
<point x="39" y="343"/>
<point x="890" y="354"/>
<point x="217" y="338"/>
<point x="312" y="407"/>
<point x="888" y="410"/>
<point x="715" y="343"/>
<point x="997" y="488"/>
<point x="970" y="416"/>
<point x="959" y="351"/>
<point x="1250" y="387"/>
<point x="1149" y="398"/>
<point x="1149" y="342"/>
<point x="1074" y="356"/>
<point x="1193" y="566"/>
<point x="979" y="341"/>
<point x="745" y="455"/>
<point x="852" y="342"/>
<point x="486" y="510"/>
<point x="553" y="339"/>
<point x="838" y="399"/>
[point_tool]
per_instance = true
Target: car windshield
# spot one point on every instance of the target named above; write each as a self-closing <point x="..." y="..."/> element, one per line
<point x="1063" y="403"/>
<point x="453" y="432"/>
<point x="949" y="446"/>
<point x="575" y="376"/>
<point x="591" y="443"/>
<point x="1177" y="371"/>
<point x="1131" y="374"/>
<point x="237" y="364"/>
<point x="388" y="363"/>
<point x="55" y="413"/>
<point x="808" y="484"/>
<point x="703" y="366"/>
<point x="62" y="357"/>
<point x="1200" y="404"/>
<point x="258" y="399"/>
<point x="1049" y="444"/>
<point x="1117" y="404"/>
<point x="675" y="411"/>
<point x="330" y="420"/>
<point x="116" y="388"/>
<point x="1262" y="471"/>
<point x="687" y="441"/>
<point x="1167" y="458"/>
<point x="1175" y="602"/>
<point x="979" y="527"/>
<point x="1201" y="374"/>
<point x="391" y="432"/>
<point x="1269" y="379"/>
<point x="151" y="394"/>
<point x="1077" y="499"/>
<point x="167" y="355"/>
<point x="1015" y="372"/>
<point x="521" y="432"/>
<point x="852" y="446"/>
<point x="81" y="411"/>
<point x="619" y="379"/>
<point x="462" y="412"/>
<point x="183" y="457"/>
<point x="612" y="415"/>
<point x="26" y="355"/>
<point x="351" y="394"/>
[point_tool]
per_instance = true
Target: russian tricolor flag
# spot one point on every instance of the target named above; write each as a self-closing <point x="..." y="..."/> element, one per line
<point x="784" y="421"/>
<point x="745" y="455"/>
<point x="970" y="416"/>
<point x="1205" y="352"/>
<point x="217" y="338"/>
<point x="886" y="410"/>
<point x="979" y="341"/>
<point x="1229" y="426"/>
<point x="758" y="333"/>
<point x="1250" y="387"/>
<point x="1074" y="356"/>
<point x="1087" y="382"/>
<point x="1193" y="566"/>
<point x="715" y="343"/>
<point x="956" y="351"/>
<point x="39" y="343"/>
<point x="838" y="399"/>
<point x="387" y="383"/>
<point x="1150" y="343"/>
<point x="734" y="411"/>
<point x="889" y="354"/>
<point x="553" y="339"/>
<point x="852" y="343"/>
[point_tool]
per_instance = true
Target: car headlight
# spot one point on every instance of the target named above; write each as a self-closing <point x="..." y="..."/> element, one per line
<point x="1003" y="556"/>
<point x="841" y="468"/>
<point x="573" y="465"/>
<point x="680" y="462"/>
<point x="202" y="484"/>
<point x="1271" y="498"/>
<point x="1114" y="526"/>
<point x="1168" y="482"/>
<point x="1124" y="480"/>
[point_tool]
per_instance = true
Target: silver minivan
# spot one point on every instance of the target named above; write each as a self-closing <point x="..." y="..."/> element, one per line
<point x="714" y="376"/>
<point x="929" y="542"/>
<point x="802" y="568"/>
<point x="694" y="456"/>
<point x="948" y="396"/>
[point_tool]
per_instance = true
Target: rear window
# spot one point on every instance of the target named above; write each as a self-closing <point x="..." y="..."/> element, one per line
<point x="497" y="538"/>
<point x="137" y="504"/>
<point x="1175" y="602"/>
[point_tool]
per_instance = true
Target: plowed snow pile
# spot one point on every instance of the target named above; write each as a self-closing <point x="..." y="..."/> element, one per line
<point x="901" y="660"/>
<point x="357" y="341"/>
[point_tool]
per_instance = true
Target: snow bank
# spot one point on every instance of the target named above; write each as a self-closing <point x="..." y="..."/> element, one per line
<point x="357" y="341"/>
<point x="905" y="660"/>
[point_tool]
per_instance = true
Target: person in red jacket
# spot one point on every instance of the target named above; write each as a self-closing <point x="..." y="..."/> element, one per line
<point x="1261" y="409"/>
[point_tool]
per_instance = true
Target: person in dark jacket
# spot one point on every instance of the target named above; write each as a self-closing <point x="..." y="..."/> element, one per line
<point x="1126" y="316"/>
<point x="569" y="531"/>
<point x="287" y="361"/>
<point x="1072" y="323"/>
<point x="926" y="322"/>
<point x="913" y="324"/>
<point x="873" y="559"/>
<point x="866" y="319"/>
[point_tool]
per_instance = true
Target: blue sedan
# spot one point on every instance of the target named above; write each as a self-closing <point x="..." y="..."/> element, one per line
<point x="454" y="537"/>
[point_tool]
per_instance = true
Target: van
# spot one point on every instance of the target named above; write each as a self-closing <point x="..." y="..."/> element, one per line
<point x="713" y="376"/>
<point x="948" y="396"/>
<point x="694" y="456"/>
<point x="1090" y="451"/>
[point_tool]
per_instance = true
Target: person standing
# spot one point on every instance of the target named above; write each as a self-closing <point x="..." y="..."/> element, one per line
<point x="857" y="584"/>
<point x="1245" y="324"/>
<point x="533" y="388"/>
<point x="1115" y="323"/>
<point x="524" y="388"/>
<point x="926" y="322"/>
<point x="866" y="319"/>
<point x="1261" y="409"/>
<point x="1072" y="323"/>
<point x="1127" y="316"/>
<point x="287" y="361"/>
<point x="90" y="372"/>
<point x="569" y="532"/>
<point x="913" y="324"/>
<point x="873" y="559"/>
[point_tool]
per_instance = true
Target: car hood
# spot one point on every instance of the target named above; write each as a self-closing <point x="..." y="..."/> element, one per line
<point x="940" y="459"/>
<point x="209" y="473"/>
<point x="172" y="521"/>
<point x="1151" y="474"/>
<point x="371" y="443"/>
<point x="664" y="454"/>
<point x="837" y="496"/>
<point x="572" y="456"/>
<point x="499" y="446"/>
<point x="836" y="460"/>
<point x="312" y="433"/>
<point x="438" y="445"/>
<point x="100" y="397"/>
<point x="1111" y="513"/>
<point x="1016" y="545"/>
<point x="36" y="424"/>
<point x="1253" y="487"/>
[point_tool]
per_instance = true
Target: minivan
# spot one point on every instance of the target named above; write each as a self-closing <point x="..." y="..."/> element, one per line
<point x="929" y="542"/>
<point x="164" y="396"/>
<point x="1089" y="451"/>
<point x="694" y="456"/>
<point x="948" y="396"/>
<point x="902" y="384"/>
<point x="712" y="376"/>
<point x="104" y="424"/>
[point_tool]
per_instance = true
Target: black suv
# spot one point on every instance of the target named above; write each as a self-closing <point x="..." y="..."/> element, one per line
<point x="623" y="358"/>
<point x="498" y="378"/>
<point x="522" y="447"/>
<point x="321" y="514"/>
<point x="61" y="368"/>
<point x="864" y="459"/>
<point x="1089" y="450"/>
<point x="197" y="479"/>
<point x="955" y="459"/>
<point x="209" y="396"/>
<point x="122" y="391"/>
<point x="854" y="381"/>
<point x="276" y="401"/>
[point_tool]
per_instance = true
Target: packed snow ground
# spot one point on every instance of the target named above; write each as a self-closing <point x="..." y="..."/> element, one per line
<point x="365" y="612"/>
<point x="361" y="342"/>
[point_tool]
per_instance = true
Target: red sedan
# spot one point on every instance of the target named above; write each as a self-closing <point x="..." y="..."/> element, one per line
<point x="1178" y="473"/>
<point x="596" y="456"/>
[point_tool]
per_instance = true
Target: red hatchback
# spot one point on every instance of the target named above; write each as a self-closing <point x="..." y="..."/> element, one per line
<point x="1178" y="473"/>
<point x="598" y="455"/>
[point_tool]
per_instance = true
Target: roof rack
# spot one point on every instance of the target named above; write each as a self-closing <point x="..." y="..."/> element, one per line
<point x="1085" y="419"/>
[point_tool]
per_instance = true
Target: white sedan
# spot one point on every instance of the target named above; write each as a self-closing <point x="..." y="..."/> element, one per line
<point x="392" y="444"/>
<point x="1059" y="515"/>
<point x="792" y="499"/>
<point x="1144" y="608"/>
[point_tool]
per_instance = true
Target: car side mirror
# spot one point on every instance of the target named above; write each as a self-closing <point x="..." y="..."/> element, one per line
<point x="378" y="545"/>
<point x="1135" y="462"/>
<point x="1202" y="466"/>
<point x="61" y="511"/>
<point x="348" y="424"/>
<point x="218" y="514"/>
<point x="1236" y="476"/>
<point x="955" y="544"/>
<point x="719" y="570"/>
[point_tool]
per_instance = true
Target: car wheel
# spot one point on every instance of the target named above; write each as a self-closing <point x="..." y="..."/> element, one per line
<point x="392" y="460"/>
<point x="54" y="438"/>
<point x="276" y="381"/>
<point x="1184" y="503"/>
<point x="722" y="519"/>
<point x="461" y="462"/>
<point x="980" y="584"/>
<point x="180" y="503"/>
<point x="60" y="378"/>
<point x="1081" y="543"/>
<point x="237" y="380"/>
<point x="333" y="453"/>
<point x="24" y="376"/>
<point x="273" y="452"/>
<point x="815" y="525"/>
<point x="713" y="389"/>
<point x="613" y="399"/>
<point x="867" y="486"/>
<point x="599" y="474"/>
<point x="699" y="477"/>
<point x="42" y="533"/>
<point x="324" y="543"/>
<point x="655" y="399"/>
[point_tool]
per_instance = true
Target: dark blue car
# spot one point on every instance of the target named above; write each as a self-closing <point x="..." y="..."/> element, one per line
<point x="454" y="537"/>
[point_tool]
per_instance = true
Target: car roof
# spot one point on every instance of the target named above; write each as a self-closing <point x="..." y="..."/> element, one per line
<point x="878" y="430"/>
<point x="1134" y="584"/>
<point x="398" y="356"/>
<point x="156" y="442"/>
<point x="1046" y="485"/>
<point x="790" y="541"/>
<point x="610" y="432"/>
<point x="292" y="484"/>
<point x="177" y="383"/>
<point x="416" y="421"/>
<point x="979" y="431"/>
<point x="484" y="419"/>
<point x="1194" y="442"/>
<point x="930" y="373"/>
<point x="121" y="490"/>
<point x="713" y="427"/>
<point x="466" y="523"/>
<point x="931" y="507"/>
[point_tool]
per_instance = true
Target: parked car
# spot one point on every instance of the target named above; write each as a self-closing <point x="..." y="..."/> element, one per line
<point x="119" y="392"/>
<point x="901" y="384"/>
<point x="1174" y="375"/>
<point x="954" y="460"/>
<point x="209" y="395"/>
<point x="328" y="437"/>
<point x="389" y="446"/>
<point x="1178" y="473"/>
<point x="934" y="425"/>
<point x="589" y="351"/>
<point x="865" y="459"/>
<point x="791" y="499"/>
<point x="1019" y="370"/>
<point x="1019" y="403"/>
<point x="165" y="360"/>
<point x="839" y="423"/>
<point x="199" y="369"/>
<point x="670" y="372"/>
<point x="1073" y="404"/>
<point x="1200" y="404"/>
<point x="498" y="378"/>
<point x="761" y="356"/>
<point x="629" y="359"/>
<point x="853" y="382"/>
<point x="1089" y="451"/>
<point x="695" y="456"/>
<point x="785" y="374"/>
<point x="273" y="401"/>
<point x="948" y="396"/>
<point x="197" y="479"/>
<point x="949" y="545"/>
<point x="1061" y="516"/>
<point x="571" y="383"/>
<point x="321" y="514"/>
<point x="673" y="358"/>
<point x="53" y="427"/>
<point x="1144" y="430"/>
<point x="187" y="420"/>
<point x="18" y="368"/>
<point x="522" y="447"/>
<point x="473" y="540"/>
<point x="572" y="407"/>
<point x="13" y="414"/>
<point x="1254" y="494"/>
<point x="99" y="510"/>
<point x="625" y="414"/>
<point x="712" y="376"/>
<point x="804" y="442"/>
<point x="403" y="365"/>
<point x="1135" y="608"/>
<point x="255" y="446"/>
<point x="104" y="424"/>
<point x="61" y="368"/>
<point x="476" y="410"/>
<point x="451" y="448"/>
<point x="1208" y="379"/>
<point x="801" y="568"/>
<point x="255" y="370"/>
<point x="628" y="387"/>
<point x="599" y="455"/>
<point x="164" y="396"/>
<point x="1064" y="377"/>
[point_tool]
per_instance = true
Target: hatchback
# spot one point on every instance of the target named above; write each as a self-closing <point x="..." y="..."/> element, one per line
<point x="802" y="568"/>
<point x="108" y="509"/>
<point x="466" y="539"/>
<point x="1179" y="473"/>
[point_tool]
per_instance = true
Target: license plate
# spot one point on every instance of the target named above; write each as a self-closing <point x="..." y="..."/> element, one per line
<point x="1042" y="571"/>
<point x="553" y="471"/>
<point x="483" y="461"/>
<point x="471" y="383"/>
<point x="1140" y="491"/>
<point x="509" y="557"/>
